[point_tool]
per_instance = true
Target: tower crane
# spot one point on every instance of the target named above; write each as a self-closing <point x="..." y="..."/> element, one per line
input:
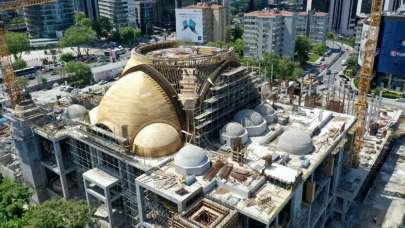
<point x="5" y="62"/>
<point x="366" y="74"/>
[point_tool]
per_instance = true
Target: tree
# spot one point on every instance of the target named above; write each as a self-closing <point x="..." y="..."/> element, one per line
<point x="22" y="82"/>
<point x="44" y="82"/>
<point x="319" y="48"/>
<point x="352" y="67"/>
<point x="116" y="36"/>
<point x="14" y="198"/>
<point x="17" y="43"/>
<point x="102" y="26"/>
<point x="67" y="57"/>
<point x="129" y="34"/>
<point x="58" y="213"/>
<point x="238" y="47"/>
<point x="330" y="35"/>
<point x="19" y="64"/>
<point x="80" y="73"/>
<point x="78" y="36"/>
<point x="237" y="32"/>
<point x="302" y="48"/>
<point x="78" y="17"/>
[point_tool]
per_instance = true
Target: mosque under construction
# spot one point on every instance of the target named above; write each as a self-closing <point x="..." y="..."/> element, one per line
<point x="187" y="137"/>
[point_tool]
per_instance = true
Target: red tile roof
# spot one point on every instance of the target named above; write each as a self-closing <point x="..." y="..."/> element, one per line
<point x="204" y="5"/>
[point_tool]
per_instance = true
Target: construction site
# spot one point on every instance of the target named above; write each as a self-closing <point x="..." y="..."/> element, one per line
<point x="188" y="137"/>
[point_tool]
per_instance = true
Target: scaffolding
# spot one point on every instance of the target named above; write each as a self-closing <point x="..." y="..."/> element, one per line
<point x="87" y="157"/>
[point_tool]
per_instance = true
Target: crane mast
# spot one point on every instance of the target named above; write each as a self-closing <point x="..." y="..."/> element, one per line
<point x="5" y="62"/>
<point x="366" y="74"/>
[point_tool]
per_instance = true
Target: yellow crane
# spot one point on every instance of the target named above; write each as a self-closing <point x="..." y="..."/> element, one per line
<point x="366" y="74"/>
<point x="5" y="62"/>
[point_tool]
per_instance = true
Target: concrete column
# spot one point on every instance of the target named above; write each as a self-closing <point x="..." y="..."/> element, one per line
<point x="109" y="207"/>
<point x="296" y="201"/>
<point x="140" y="195"/>
<point x="62" y="176"/>
<point x="389" y="81"/>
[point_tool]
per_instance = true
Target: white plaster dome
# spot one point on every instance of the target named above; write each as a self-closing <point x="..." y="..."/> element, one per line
<point x="248" y="117"/>
<point x="233" y="129"/>
<point x="295" y="141"/>
<point x="191" y="160"/>
<point x="75" y="112"/>
<point x="156" y="140"/>
<point x="267" y="112"/>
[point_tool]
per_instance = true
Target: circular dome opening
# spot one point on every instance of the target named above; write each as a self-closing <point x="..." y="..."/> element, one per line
<point x="264" y="109"/>
<point x="295" y="141"/>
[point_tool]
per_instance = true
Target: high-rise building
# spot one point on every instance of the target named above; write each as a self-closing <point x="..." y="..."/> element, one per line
<point x="165" y="13"/>
<point x="141" y="14"/>
<point x="275" y="31"/>
<point x="393" y="5"/>
<point x="115" y="10"/>
<point x="89" y="7"/>
<point x="342" y="15"/>
<point x="49" y="20"/>
<point x="201" y="23"/>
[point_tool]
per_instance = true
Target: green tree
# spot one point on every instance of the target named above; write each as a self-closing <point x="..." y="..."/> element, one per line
<point x="80" y="73"/>
<point x="19" y="64"/>
<point x="352" y="67"/>
<point x="116" y="36"/>
<point x="58" y="213"/>
<point x="238" y="47"/>
<point x="78" y="17"/>
<point x="77" y="36"/>
<point x="102" y="26"/>
<point x="330" y="35"/>
<point x="302" y="48"/>
<point x="319" y="48"/>
<point x="129" y="34"/>
<point x="67" y="57"/>
<point x="237" y="32"/>
<point x="14" y="198"/>
<point x="22" y="82"/>
<point x="44" y="82"/>
<point x="17" y="43"/>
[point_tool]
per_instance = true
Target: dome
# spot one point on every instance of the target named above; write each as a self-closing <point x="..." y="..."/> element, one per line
<point x="191" y="160"/>
<point x="156" y="140"/>
<point x="295" y="141"/>
<point x="264" y="109"/>
<point x="267" y="112"/>
<point x="233" y="129"/>
<point x="133" y="102"/>
<point x="75" y="112"/>
<point x="248" y="117"/>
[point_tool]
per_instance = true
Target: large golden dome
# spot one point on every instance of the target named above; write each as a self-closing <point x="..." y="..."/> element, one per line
<point x="133" y="102"/>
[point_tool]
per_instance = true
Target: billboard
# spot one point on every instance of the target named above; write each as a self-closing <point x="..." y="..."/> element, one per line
<point x="189" y="25"/>
<point x="391" y="59"/>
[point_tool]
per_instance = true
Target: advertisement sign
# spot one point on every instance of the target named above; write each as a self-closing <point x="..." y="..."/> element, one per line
<point x="189" y="25"/>
<point x="391" y="59"/>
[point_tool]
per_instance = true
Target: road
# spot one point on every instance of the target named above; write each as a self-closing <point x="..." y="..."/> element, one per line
<point x="338" y="81"/>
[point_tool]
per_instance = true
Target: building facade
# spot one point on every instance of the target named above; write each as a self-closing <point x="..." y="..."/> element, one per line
<point x="201" y="23"/>
<point x="142" y="14"/>
<point x="115" y="10"/>
<point x="49" y="20"/>
<point x="275" y="31"/>
<point x="89" y="7"/>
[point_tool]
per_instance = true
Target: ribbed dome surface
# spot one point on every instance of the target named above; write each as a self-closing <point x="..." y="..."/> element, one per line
<point x="248" y="118"/>
<point x="295" y="141"/>
<point x="75" y="112"/>
<point x="190" y="156"/>
<point x="264" y="109"/>
<point x="157" y="139"/>
<point x="131" y="103"/>
<point x="233" y="129"/>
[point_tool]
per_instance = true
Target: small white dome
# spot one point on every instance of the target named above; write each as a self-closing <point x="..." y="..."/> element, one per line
<point x="75" y="112"/>
<point x="264" y="109"/>
<point x="233" y="129"/>
<point x="248" y="118"/>
<point x="191" y="160"/>
<point x="295" y="141"/>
